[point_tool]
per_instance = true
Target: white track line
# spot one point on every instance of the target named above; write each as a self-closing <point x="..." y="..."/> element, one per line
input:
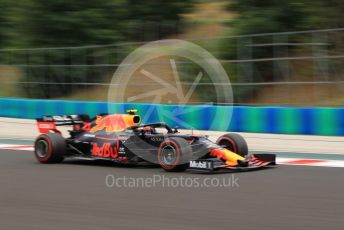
<point x="310" y="162"/>
<point x="17" y="147"/>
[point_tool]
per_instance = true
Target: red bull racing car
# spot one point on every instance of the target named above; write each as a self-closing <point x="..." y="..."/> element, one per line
<point x="121" y="138"/>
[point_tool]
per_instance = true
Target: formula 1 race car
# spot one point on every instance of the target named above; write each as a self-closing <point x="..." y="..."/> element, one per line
<point x="120" y="138"/>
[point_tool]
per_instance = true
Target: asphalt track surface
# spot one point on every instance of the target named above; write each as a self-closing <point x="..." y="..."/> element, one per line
<point x="74" y="195"/>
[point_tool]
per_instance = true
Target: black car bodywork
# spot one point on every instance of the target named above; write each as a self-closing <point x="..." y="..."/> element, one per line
<point x="121" y="138"/>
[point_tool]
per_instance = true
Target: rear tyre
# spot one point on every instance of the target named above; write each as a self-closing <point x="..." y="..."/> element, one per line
<point x="50" y="148"/>
<point x="174" y="154"/>
<point x="233" y="142"/>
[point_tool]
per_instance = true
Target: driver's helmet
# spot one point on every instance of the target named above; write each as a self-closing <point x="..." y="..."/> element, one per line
<point x="148" y="130"/>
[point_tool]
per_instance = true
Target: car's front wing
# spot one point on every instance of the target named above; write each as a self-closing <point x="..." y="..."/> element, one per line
<point x="253" y="162"/>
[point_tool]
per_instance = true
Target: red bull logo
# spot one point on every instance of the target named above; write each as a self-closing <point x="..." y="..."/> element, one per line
<point x="115" y="122"/>
<point x="105" y="150"/>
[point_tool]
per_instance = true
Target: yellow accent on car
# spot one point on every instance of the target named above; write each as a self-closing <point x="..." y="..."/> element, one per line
<point x="230" y="157"/>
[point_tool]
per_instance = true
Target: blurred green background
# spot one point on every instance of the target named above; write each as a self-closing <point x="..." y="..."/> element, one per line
<point x="70" y="49"/>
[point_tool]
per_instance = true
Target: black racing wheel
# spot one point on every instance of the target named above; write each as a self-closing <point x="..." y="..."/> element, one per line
<point x="174" y="154"/>
<point x="233" y="142"/>
<point x="50" y="148"/>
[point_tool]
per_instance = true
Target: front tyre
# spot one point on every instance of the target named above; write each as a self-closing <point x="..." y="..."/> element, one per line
<point x="174" y="154"/>
<point x="50" y="148"/>
<point x="233" y="142"/>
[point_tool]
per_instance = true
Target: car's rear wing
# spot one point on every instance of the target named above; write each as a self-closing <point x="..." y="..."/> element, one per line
<point x="48" y="124"/>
